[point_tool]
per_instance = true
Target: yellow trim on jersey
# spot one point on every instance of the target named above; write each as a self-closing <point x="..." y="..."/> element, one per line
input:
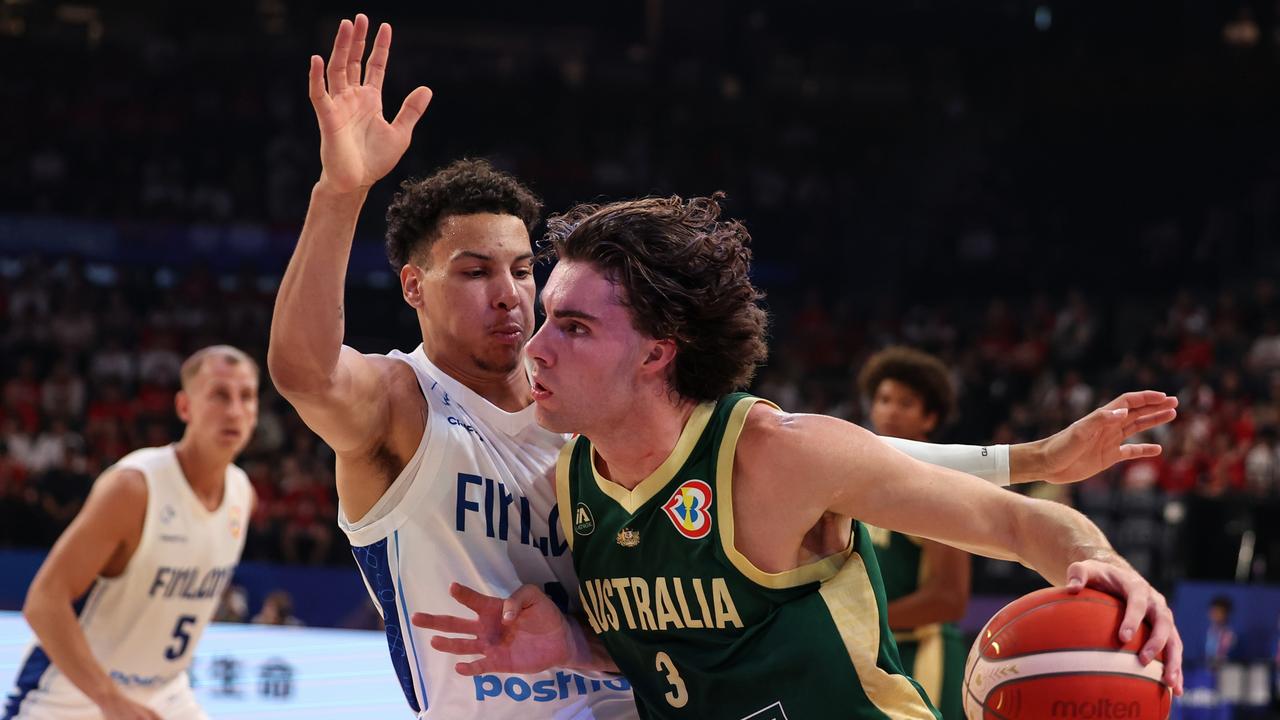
<point x="928" y="669"/>
<point x="816" y="571"/>
<point x="563" y="498"/>
<point x="631" y="500"/>
<point x="851" y="600"/>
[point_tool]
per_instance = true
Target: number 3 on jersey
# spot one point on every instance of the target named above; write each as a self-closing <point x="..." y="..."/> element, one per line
<point x="678" y="697"/>
<point x="181" y="638"/>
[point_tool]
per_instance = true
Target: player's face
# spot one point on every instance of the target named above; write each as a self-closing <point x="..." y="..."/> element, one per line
<point x="220" y="405"/>
<point x="586" y="357"/>
<point x="475" y="296"/>
<point x="898" y="411"/>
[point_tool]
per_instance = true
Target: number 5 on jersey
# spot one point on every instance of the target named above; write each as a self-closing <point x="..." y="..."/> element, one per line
<point x="678" y="697"/>
<point x="181" y="638"/>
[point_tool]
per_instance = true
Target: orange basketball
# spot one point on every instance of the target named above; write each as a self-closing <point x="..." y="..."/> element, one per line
<point x="1054" y="654"/>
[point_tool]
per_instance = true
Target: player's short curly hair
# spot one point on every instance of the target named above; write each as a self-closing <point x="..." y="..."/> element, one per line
<point x="683" y="273"/>
<point x="918" y="370"/>
<point x="463" y="187"/>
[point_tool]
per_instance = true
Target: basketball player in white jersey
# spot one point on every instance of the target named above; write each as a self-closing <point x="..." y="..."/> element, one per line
<point x="443" y="476"/>
<point x="124" y="595"/>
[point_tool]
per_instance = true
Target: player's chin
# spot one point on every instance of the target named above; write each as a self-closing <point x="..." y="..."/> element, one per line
<point x="546" y="416"/>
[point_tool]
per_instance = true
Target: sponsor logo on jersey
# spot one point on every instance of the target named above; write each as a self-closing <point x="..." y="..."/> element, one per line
<point x="166" y="514"/>
<point x="690" y="509"/>
<point x="563" y="687"/>
<point x="583" y="522"/>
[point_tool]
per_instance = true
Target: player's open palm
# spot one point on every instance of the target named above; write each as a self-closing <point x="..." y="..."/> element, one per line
<point x="523" y="634"/>
<point x="1097" y="441"/>
<point x="357" y="144"/>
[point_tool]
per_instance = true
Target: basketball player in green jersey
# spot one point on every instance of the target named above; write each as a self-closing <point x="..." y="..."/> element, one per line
<point x="711" y="532"/>
<point x="926" y="583"/>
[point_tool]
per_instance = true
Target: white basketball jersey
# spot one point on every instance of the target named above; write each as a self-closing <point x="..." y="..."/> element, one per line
<point x="475" y="505"/>
<point x="143" y="625"/>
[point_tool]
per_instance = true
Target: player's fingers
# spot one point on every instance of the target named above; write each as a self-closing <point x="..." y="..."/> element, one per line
<point x="1137" y="604"/>
<point x="458" y="646"/>
<point x="338" y="58"/>
<point x="445" y="623"/>
<point x="1149" y="420"/>
<point x="377" y="65"/>
<point x="1078" y="576"/>
<point x="1173" y="662"/>
<point x="356" y="57"/>
<point x="412" y="109"/>
<point x="483" y="666"/>
<point x="1161" y="630"/>
<point x="1136" y="399"/>
<point x="477" y="601"/>
<point x="1139" y="450"/>
<point x="525" y="596"/>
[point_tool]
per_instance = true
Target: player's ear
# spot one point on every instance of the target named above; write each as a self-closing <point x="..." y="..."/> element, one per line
<point x="182" y="405"/>
<point x="930" y="422"/>
<point x="662" y="354"/>
<point x="411" y="284"/>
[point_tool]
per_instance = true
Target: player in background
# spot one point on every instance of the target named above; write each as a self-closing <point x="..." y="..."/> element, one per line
<point x="120" y="603"/>
<point x="926" y="583"/>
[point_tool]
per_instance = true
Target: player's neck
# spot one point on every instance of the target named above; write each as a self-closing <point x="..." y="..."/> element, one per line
<point x="630" y="449"/>
<point x="509" y="391"/>
<point x="205" y="471"/>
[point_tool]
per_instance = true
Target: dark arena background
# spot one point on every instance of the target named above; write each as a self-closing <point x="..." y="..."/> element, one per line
<point x="1061" y="200"/>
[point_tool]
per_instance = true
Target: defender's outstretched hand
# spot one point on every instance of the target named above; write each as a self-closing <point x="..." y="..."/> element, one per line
<point x="523" y="634"/>
<point x="357" y="145"/>
<point x="1096" y="441"/>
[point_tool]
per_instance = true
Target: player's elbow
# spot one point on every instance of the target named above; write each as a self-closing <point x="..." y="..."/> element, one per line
<point x="293" y="377"/>
<point x="36" y="606"/>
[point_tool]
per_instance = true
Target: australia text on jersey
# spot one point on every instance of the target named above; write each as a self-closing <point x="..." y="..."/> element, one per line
<point x="658" y="604"/>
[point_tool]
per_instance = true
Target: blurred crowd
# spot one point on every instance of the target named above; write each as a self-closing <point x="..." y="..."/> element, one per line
<point x="90" y="358"/>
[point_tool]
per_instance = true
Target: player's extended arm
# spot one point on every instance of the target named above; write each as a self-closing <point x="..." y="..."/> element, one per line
<point x="844" y="469"/>
<point x="110" y="521"/>
<point x="941" y="596"/>
<point x="341" y="394"/>
<point x="524" y="633"/>
<point x="1085" y="448"/>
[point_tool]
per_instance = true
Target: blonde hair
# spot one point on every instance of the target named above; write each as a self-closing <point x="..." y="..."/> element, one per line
<point x="191" y="366"/>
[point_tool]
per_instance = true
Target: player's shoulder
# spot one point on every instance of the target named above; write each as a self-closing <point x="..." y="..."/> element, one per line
<point x="773" y="438"/>
<point x="119" y="488"/>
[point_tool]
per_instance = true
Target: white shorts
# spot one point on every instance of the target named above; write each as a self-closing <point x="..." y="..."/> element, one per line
<point x="173" y="701"/>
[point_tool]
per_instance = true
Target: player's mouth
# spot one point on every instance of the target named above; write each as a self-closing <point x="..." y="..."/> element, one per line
<point x="232" y="434"/>
<point x="508" y="333"/>
<point x="540" y="392"/>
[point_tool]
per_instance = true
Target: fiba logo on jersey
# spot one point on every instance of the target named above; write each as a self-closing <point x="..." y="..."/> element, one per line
<point x="690" y="509"/>
<point x="583" y="522"/>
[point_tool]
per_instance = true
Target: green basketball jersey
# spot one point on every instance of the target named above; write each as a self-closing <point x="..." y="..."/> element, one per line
<point x="932" y="654"/>
<point x="697" y="629"/>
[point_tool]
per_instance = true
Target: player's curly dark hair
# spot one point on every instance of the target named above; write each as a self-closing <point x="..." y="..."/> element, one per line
<point x="683" y="274"/>
<point x="918" y="370"/>
<point x="463" y="187"/>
